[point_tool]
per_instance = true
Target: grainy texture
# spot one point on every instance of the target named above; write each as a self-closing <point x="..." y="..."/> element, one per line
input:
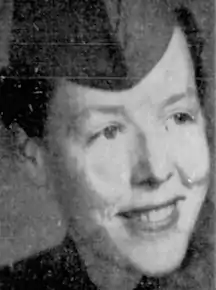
<point x="30" y="221"/>
<point x="6" y="12"/>
<point x="53" y="268"/>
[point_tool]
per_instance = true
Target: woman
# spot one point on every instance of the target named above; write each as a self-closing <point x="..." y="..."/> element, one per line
<point x="62" y="265"/>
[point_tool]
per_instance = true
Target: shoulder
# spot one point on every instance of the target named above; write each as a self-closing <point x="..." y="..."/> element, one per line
<point x="56" y="268"/>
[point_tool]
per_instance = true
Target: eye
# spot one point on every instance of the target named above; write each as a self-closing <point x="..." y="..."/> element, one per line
<point x="108" y="132"/>
<point x="183" y="118"/>
<point x="111" y="131"/>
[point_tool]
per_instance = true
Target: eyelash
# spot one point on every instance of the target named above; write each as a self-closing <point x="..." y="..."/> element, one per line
<point x="117" y="127"/>
<point x="189" y="118"/>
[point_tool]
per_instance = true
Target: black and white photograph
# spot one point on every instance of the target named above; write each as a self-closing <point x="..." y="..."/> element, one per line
<point x="107" y="145"/>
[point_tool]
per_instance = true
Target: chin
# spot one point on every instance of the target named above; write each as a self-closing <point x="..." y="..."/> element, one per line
<point x="160" y="257"/>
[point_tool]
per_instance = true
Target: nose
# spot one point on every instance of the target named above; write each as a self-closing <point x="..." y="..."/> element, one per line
<point x="143" y="176"/>
<point x="150" y="164"/>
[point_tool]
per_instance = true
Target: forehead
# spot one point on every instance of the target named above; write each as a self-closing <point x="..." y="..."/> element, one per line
<point x="171" y="75"/>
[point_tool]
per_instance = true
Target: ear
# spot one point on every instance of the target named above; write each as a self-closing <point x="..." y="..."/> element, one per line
<point x="31" y="158"/>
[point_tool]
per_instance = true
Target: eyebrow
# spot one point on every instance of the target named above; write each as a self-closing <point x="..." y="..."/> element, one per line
<point x="190" y="92"/>
<point x="111" y="109"/>
<point x="120" y="110"/>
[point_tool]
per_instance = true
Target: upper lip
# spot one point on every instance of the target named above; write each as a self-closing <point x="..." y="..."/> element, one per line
<point x="145" y="209"/>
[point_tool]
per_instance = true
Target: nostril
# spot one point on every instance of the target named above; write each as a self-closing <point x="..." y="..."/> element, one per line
<point x="150" y="183"/>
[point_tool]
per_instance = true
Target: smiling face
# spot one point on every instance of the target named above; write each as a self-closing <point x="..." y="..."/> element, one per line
<point x="138" y="160"/>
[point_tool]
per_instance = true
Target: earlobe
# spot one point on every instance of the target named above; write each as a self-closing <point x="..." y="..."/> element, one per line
<point x="31" y="158"/>
<point x="34" y="164"/>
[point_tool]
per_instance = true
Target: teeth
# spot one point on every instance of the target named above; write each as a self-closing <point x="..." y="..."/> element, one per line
<point x="144" y="217"/>
<point x="157" y="215"/>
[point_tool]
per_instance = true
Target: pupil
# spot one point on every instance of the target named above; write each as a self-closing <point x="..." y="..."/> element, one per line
<point x="110" y="132"/>
<point x="181" y="117"/>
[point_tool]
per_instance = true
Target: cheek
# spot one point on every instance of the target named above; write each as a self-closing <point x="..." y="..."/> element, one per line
<point x="107" y="169"/>
<point x="78" y="198"/>
<point x="191" y="152"/>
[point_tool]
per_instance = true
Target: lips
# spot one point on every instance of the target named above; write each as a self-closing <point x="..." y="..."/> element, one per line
<point x="146" y="209"/>
<point x="151" y="219"/>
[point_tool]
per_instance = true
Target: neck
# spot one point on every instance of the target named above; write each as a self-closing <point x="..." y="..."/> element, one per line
<point x="106" y="273"/>
<point x="108" y="276"/>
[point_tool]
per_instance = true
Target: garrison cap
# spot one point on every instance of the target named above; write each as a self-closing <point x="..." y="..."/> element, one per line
<point x="104" y="44"/>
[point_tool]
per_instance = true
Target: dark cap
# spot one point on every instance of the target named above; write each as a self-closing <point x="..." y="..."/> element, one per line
<point x="112" y="53"/>
<point x="98" y="43"/>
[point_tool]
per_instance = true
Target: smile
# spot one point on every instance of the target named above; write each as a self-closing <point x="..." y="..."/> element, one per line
<point x="151" y="220"/>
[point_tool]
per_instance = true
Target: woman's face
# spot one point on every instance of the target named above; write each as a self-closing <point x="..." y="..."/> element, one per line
<point x="143" y="161"/>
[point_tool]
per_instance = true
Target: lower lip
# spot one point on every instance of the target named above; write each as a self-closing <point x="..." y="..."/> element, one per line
<point x="139" y="227"/>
